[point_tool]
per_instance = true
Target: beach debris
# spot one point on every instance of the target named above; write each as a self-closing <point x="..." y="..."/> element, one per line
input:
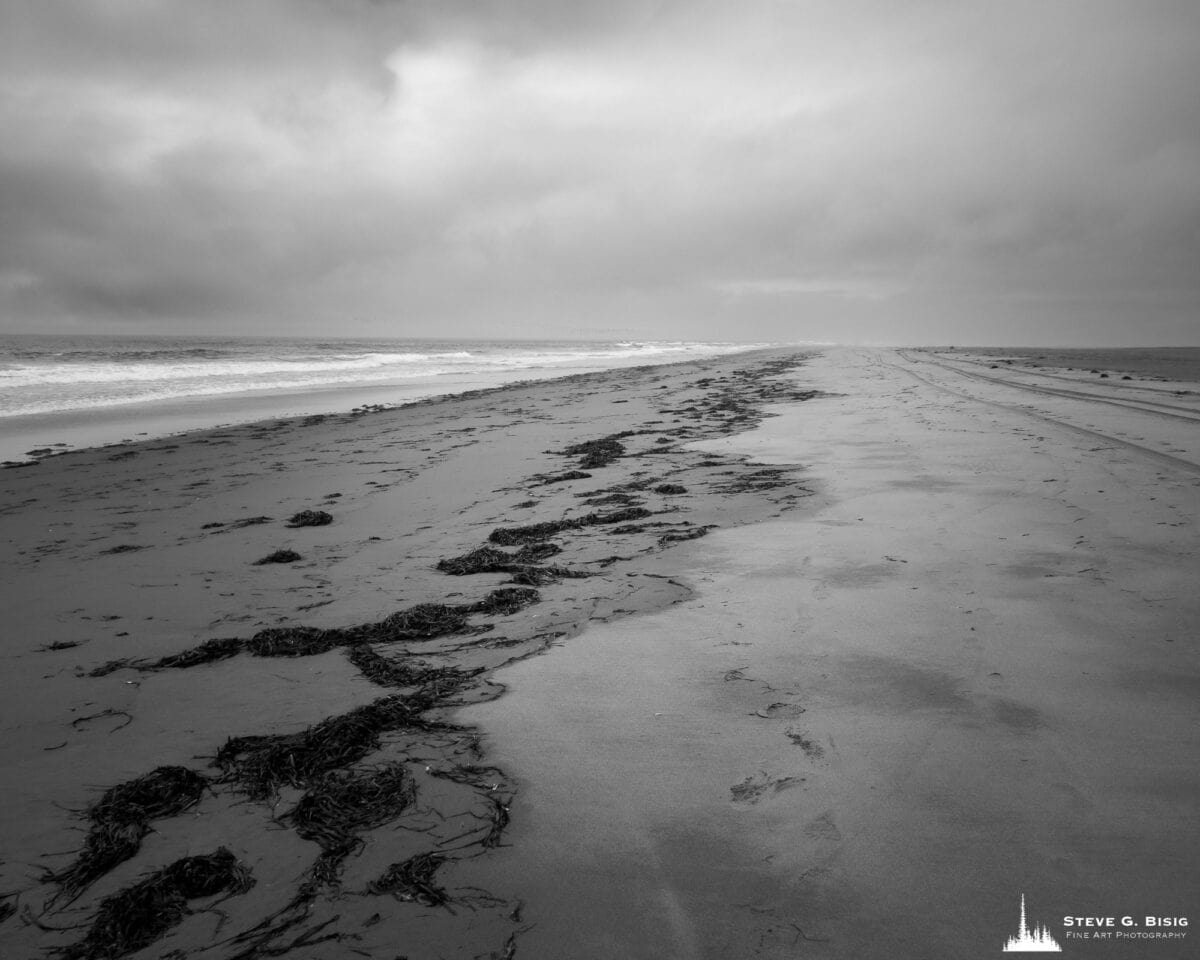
<point x="236" y="524"/>
<point x="498" y="820"/>
<point x="483" y="560"/>
<point x="599" y="498"/>
<point x="279" y="556"/>
<point x="547" y="479"/>
<point x="103" y="714"/>
<point x="522" y="564"/>
<point x="298" y="641"/>
<point x="412" y="880"/>
<point x="7" y="909"/>
<point x="121" y="818"/>
<point x="757" y="481"/>
<point x="509" y="536"/>
<point x="535" y="576"/>
<point x="388" y="672"/>
<point x="61" y="645"/>
<point x="261" y="764"/>
<point x="208" y="652"/>
<point x="670" y="488"/>
<point x="505" y="601"/>
<point x="491" y="560"/>
<point x="596" y="453"/>
<point x="135" y="917"/>
<point x="421" y="622"/>
<point x="109" y="666"/>
<point x="678" y="536"/>
<point x="310" y="518"/>
<point x="342" y="802"/>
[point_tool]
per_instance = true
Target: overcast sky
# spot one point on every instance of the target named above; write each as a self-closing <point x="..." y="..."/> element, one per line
<point x="884" y="170"/>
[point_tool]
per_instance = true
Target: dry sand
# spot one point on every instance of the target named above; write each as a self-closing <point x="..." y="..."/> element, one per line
<point x="942" y="655"/>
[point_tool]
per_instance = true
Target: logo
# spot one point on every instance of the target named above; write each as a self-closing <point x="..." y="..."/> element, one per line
<point x="1037" y="940"/>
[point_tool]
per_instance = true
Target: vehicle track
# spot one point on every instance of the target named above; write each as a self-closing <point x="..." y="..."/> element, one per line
<point x="1163" y="459"/>
<point x="1145" y="406"/>
<point x="1133" y="386"/>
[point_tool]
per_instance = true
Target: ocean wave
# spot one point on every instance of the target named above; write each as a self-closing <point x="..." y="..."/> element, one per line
<point x="74" y="379"/>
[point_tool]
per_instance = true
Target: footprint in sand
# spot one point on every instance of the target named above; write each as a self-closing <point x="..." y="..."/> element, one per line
<point x="823" y="827"/>
<point x="780" y="711"/>
<point x="812" y="749"/>
<point x="754" y="788"/>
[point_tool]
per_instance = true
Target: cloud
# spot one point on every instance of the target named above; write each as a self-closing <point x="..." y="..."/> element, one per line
<point x="762" y="168"/>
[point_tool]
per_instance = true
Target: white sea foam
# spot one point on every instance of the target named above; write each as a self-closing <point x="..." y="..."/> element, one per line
<point x="46" y="375"/>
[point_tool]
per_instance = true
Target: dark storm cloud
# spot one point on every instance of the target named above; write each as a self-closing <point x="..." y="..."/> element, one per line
<point x="900" y="171"/>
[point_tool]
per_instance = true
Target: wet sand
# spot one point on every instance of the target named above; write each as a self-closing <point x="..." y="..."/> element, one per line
<point x="935" y="651"/>
<point x="170" y="697"/>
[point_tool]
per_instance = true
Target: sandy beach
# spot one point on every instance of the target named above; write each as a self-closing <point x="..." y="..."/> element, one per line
<point x="831" y="654"/>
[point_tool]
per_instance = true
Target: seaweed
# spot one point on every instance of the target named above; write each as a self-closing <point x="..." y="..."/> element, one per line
<point x="670" y="488"/>
<point x="757" y="481"/>
<point x="483" y="560"/>
<point x="508" y="536"/>
<point x="424" y="621"/>
<point x="534" y="576"/>
<point x="521" y="564"/>
<point x="208" y="652"/>
<point x="421" y="622"/>
<point x="596" y="453"/>
<point x="60" y="645"/>
<point x="596" y="500"/>
<point x="535" y="531"/>
<point x="7" y="909"/>
<point x="261" y="764"/>
<point x="292" y="642"/>
<point x="491" y="560"/>
<point x="121" y="818"/>
<point x="248" y="522"/>
<point x="109" y="666"/>
<point x="505" y="601"/>
<point x="342" y="802"/>
<point x="548" y="479"/>
<point x="678" y="536"/>
<point x="412" y="880"/>
<point x="310" y="518"/>
<point x="279" y="556"/>
<point x="536" y="552"/>
<point x="225" y="525"/>
<point x="498" y="820"/>
<point x="137" y="916"/>
<point x="389" y="673"/>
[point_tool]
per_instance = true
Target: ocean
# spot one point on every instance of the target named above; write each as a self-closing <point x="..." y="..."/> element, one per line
<point x="62" y="392"/>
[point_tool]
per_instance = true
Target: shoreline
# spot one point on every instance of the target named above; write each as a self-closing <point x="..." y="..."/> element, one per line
<point x="893" y="645"/>
<point x="33" y="436"/>
<point x="392" y="642"/>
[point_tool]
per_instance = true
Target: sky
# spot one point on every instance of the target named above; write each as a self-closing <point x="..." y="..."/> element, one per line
<point x="881" y="171"/>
